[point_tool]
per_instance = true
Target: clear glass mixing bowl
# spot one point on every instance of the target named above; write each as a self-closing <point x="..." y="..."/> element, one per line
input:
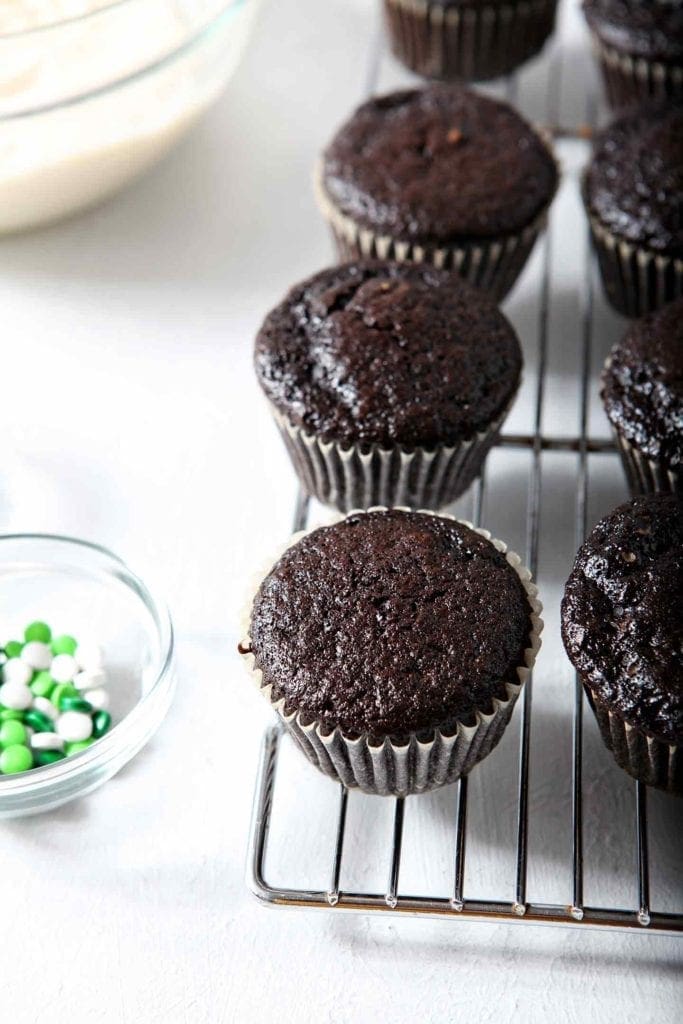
<point x="85" y="590"/>
<point x="93" y="92"/>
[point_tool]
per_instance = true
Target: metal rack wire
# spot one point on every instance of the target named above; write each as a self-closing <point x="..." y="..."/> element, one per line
<point x="516" y="908"/>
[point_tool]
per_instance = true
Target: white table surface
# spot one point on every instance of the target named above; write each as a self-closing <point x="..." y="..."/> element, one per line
<point x="130" y="416"/>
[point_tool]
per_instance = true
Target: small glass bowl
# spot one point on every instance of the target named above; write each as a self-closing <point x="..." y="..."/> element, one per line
<point x="94" y="92"/>
<point x="84" y="590"/>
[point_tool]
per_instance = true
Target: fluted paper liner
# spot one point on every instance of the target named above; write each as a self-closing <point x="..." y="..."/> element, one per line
<point x="476" y="42"/>
<point x="629" y="79"/>
<point x="650" y="760"/>
<point x="637" y="280"/>
<point x="418" y="765"/>
<point x="646" y="475"/>
<point x="493" y="265"/>
<point x="358" y="476"/>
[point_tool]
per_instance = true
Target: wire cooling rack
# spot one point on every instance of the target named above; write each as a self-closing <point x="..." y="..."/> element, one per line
<point x="514" y="906"/>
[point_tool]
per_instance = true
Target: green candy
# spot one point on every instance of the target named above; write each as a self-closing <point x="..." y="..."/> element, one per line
<point x="43" y="757"/>
<point x="38" y="631"/>
<point x="11" y="715"/>
<point x="68" y="703"/>
<point x="42" y="684"/>
<point x="11" y="733"/>
<point x="64" y="645"/>
<point x="38" y="721"/>
<point x="101" y="721"/>
<point x="13" y="649"/>
<point x="63" y="690"/>
<point x="75" y="748"/>
<point x="16" y="758"/>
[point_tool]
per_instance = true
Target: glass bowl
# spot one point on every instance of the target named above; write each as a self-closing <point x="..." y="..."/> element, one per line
<point x="93" y="92"/>
<point x="84" y="590"/>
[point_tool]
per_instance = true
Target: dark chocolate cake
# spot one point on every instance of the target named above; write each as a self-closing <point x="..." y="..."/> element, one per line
<point x="388" y="354"/>
<point x="622" y="626"/>
<point x="439" y="164"/>
<point x="390" y="623"/>
<point x="642" y="391"/>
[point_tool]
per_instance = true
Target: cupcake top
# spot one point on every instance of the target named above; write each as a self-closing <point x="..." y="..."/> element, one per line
<point x="388" y="353"/>
<point x="643" y="28"/>
<point x="634" y="184"/>
<point x="390" y="622"/>
<point x="621" y="614"/>
<point x="438" y="165"/>
<point x="642" y="385"/>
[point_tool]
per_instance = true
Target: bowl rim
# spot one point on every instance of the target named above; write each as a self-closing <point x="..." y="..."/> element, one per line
<point x="108" y="745"/>
<point x="72" y="19"/>
<point x="48" y="26"/>
<point x="183" y="49"/>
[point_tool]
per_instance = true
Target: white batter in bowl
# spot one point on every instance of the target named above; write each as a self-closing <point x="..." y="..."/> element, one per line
<point x="92" y="92"/>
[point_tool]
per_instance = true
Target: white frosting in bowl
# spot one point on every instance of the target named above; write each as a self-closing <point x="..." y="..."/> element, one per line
<point x="92" y="92"/>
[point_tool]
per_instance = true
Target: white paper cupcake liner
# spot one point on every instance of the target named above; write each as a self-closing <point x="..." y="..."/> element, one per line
<point x="650" y="760"/>
<point x="629" y="79"/>
<point x="637" y="280"/>
<point x="393" y="769"/>
<point x="491" y="265"/>
<point x="474" y="42"/>
<point x="646" y="475"/>
<point x="357" y="477"/>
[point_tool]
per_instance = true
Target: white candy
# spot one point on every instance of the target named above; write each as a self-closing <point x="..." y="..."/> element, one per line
<point x="90" y="679"/>
<point x="16" y="696"/>
<point x="37" y="655"/>
<point x="74" y="726"/>
<point x="16" y="671"/>
<point x="47" y="741"/>
<point x="46" y="707"/>
<point x="98" y="698"/>
<point x="89" y="656"/>
<point x="63" y="668"/>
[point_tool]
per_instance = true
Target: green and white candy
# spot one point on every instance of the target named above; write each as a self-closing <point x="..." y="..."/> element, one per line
<point x="53" y="701"/>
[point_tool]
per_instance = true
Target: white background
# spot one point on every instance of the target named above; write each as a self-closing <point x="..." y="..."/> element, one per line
<point x="129" y="415"/>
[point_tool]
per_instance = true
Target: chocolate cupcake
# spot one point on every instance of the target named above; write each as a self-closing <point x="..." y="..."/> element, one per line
<point x="388" y="382"/>
<point x="393" y="645"/>
<point x="639" y="44"/>
<point x="642" y="391"/>
<point x="633" y="192"/>
<point x="440" y="175"/>
<point x="469" y="39"/>
<point x="623" y="631"/>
